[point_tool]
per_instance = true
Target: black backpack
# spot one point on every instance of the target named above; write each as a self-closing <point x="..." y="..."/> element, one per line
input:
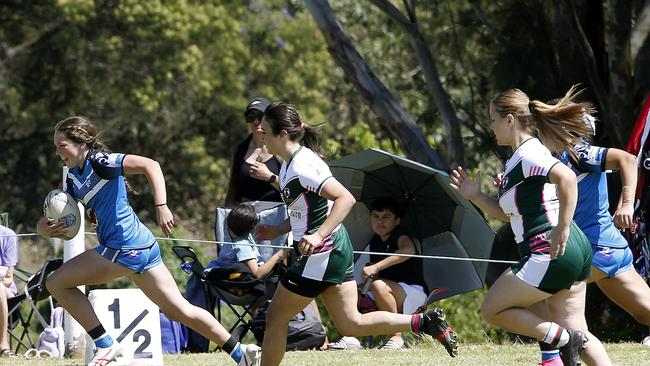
<point x="305" y="329"/>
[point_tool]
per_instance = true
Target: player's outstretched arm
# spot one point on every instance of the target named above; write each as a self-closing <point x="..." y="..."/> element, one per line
<point x="135" y="164"/>
<point x="471" y="189"/>
<point x="626" y="164"/>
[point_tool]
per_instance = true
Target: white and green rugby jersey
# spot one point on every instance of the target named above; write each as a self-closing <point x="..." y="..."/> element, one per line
<point x="525" y="194"/>
<point x="301" y="180"/>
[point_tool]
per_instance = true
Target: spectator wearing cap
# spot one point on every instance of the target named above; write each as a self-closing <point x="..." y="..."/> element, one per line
<point x="254" y="171"/>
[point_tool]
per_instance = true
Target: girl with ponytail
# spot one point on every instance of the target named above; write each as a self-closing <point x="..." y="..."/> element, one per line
<point x="317" y="204"/>
<point x="538" y="195"/>
<point x="126" y="247"/>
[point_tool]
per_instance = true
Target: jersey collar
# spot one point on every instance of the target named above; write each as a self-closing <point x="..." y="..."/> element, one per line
<point x="294" y="155"/>
<point x="522" y="144"/>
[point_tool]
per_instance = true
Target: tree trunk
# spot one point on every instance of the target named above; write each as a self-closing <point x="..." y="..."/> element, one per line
<point x="587" y="53"/>
<point x="640" y="30"/>
<point x="387" y="108"/>
<point x="620" y="107"/>
<point x="614" y="86"/>
<point x="440" y="97"/>
<point x="640" y="52"/>
<point x="642" y="73"/>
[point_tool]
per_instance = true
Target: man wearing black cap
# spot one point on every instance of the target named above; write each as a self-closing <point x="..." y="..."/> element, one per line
<point x="254" y="170"/>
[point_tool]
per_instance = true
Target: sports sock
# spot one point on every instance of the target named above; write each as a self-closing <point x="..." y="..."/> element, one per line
<point x="104" y="341"/>
<point x="549" y="352"/>
<point x="100" y="337"/>
<point x="416" y="322"/>
<point x="233" y="348"/>
<point x="556" y="336"/>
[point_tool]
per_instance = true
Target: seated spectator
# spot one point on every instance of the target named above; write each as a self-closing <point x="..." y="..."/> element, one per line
<point x="241" y="222"/>
<point x="8" y="260"/>
<point x="398" y="284"/>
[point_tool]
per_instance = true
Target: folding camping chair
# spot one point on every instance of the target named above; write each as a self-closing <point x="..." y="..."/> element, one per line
<point x="33" y="292"/>
<point x="270" y="213"/>
<point x="218" y="291"/>
<point x="204" y="293"/>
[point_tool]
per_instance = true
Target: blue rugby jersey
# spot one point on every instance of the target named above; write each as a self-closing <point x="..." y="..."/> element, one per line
<point x="101" y="188"/>
<point x="592" y="212"/>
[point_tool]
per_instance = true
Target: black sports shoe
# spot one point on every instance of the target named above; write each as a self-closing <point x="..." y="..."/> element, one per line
<point x="570" y="352"/>
<point x="435" y="325"/>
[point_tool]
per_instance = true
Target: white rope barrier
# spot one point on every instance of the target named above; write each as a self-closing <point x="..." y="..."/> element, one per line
<point x="199" y="241"/>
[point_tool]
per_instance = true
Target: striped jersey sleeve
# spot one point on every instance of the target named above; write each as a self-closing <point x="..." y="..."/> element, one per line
<point x="538" y="165"/>
<point x="314" y="173"/>
<point x="107" y="165"/>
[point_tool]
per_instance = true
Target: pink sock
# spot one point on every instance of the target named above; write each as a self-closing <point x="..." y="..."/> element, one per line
<point x="555" y="361"/>
<point x="415" y="322"/>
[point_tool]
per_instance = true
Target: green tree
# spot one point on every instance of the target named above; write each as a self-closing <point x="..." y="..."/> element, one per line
<point x="162" y="79"/>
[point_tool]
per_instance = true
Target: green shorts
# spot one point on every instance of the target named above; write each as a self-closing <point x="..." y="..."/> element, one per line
<point x="332" y="263"/>
<point x="537" y="269"/>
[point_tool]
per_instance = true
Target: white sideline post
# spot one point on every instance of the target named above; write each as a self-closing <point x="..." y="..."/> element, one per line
<point x="74" y="333"/>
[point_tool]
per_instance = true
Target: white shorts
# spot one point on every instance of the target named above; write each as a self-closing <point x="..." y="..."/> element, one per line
<point x="415" y="297"/>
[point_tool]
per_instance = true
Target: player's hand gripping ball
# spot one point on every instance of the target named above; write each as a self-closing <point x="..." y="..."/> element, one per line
<point x="60" y="206"/>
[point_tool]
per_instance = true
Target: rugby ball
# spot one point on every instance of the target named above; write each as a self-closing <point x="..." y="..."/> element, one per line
<point x="60" y="206"/>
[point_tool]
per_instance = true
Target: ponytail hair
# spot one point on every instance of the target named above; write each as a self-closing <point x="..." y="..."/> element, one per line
<point x="283" y="116"/>
<point x="310" y="138"/>
<point x="559" y="126"/>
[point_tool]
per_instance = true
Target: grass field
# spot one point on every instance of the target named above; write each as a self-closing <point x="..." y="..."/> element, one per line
<point x="622" y="354"/>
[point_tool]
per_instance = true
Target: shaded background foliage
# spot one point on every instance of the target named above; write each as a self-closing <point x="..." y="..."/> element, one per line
<point x="170" y="79"/>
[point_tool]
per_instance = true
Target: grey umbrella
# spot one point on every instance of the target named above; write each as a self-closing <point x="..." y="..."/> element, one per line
<point x="444" y="222"/>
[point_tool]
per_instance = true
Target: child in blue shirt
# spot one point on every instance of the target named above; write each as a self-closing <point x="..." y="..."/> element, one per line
<point x="241" y="222"/>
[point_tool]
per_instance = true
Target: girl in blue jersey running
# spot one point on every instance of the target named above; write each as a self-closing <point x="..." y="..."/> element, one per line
<point x="538" y="196"/>
<point x="612" y="265"/>
<point x="317" y="205"/>
<point x="126" y="247"/>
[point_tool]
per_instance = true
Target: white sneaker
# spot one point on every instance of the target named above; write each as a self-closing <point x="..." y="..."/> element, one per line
<point x="345" y="344"/>
<point x="104" y="356"/>
<point x="252" y="355"/>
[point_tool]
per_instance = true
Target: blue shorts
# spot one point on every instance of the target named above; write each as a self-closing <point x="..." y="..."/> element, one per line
<point x="612" y="261"/>
<point x="138" y="260"/>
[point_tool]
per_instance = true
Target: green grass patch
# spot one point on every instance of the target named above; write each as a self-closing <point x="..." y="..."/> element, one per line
<point x="479" y="355"/>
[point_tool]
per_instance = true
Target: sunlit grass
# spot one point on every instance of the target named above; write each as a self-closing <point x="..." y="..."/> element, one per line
<point x="423" y="354"/>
